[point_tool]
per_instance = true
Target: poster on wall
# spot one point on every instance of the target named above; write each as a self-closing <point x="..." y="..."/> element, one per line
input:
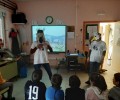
<point x="89" y="32"/>
<point x="70" y="35"/>
<point x="91" y="29"/>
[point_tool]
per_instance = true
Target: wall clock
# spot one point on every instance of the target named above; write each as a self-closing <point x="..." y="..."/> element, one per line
<point x="49" y="19"/>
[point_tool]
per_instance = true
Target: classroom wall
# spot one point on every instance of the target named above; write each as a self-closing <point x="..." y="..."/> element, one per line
<point x="67" y="12"/>
<point x="8" y="25"/>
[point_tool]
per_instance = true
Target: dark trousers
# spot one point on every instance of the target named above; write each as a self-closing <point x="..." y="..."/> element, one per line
<point x="47" y="68"/>
<point x="94" y="68"/>
<point x="6" y="85"/>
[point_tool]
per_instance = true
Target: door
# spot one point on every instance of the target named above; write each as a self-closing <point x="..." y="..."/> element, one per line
<point x="111" y="35"/>
<point x="115" y="63"/>
<point x="106" y="30"/>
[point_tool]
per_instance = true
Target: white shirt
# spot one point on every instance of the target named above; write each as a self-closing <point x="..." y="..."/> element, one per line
<point x="93" y="93"/>
<point x="97" y="48"/>
<point x="41" y="55"/>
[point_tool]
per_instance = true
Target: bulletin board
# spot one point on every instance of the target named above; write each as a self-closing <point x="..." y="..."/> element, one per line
<point x="90" y="30"/>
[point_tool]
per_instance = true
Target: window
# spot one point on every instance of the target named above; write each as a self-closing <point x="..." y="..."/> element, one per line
<point x="2" y="27"/>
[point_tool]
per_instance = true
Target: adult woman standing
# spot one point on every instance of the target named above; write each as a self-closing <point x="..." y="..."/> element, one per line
<point x="39" y="48"/>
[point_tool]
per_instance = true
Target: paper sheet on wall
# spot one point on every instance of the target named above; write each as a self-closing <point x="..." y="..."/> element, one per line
<point x="70" y="35"/>
<point x="91" y="30"/>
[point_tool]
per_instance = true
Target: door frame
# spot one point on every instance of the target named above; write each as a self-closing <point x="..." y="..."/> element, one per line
<point x="85" y="23"/>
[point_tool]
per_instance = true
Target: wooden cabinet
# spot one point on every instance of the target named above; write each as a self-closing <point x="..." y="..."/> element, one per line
<point x="8" y="69"/>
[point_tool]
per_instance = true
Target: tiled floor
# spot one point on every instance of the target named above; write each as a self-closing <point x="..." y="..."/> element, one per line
<point x="18" y="91"/>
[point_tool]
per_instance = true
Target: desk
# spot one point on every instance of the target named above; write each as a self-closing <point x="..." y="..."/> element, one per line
<point x="75" y="61"/>
<point x="8" y="69"/>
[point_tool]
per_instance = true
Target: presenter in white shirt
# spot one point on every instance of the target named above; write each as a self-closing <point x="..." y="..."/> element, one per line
<point x="40" y="50"/>
<point x="97" y="51"/>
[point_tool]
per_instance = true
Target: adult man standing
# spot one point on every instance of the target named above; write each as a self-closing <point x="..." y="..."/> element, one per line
<point x="39" y="48"/>
<point x="96" y="54"/>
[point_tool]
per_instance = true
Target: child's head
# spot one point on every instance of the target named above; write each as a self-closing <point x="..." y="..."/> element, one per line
<point x="116" y="79"/>
<point x="74" y="81"/>
<point x="37" y="75"/>
<point x="98" y="81"/>
<point x="56" y="80"/>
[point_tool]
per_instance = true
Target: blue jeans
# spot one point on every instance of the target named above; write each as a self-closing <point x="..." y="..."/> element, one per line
<point x="94" y="67"/>
<point x="47" y="68"/>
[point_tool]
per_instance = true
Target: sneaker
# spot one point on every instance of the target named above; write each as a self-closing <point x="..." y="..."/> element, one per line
<point x="87" y="82"/>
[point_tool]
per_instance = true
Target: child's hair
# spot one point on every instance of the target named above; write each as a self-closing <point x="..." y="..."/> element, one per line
<point x="74" y="81"/>
<point x="117" y="78"/>
<point x="98" y="81"/>
<point x="37" y="75"/>
<point x="56" y="81"/>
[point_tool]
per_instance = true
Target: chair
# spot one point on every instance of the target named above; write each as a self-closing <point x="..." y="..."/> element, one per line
<point x="72" y="62"/>
<point x="61" y="63"/>
<point x="86" y="62"/>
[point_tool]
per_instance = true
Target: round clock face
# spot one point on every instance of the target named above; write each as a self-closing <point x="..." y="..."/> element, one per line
<point x="49" y="19"/>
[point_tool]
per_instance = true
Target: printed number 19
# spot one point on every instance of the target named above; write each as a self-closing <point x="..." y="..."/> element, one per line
<point x="33" y="90"/>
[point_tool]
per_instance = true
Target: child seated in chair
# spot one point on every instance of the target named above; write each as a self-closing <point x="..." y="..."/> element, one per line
<point x="4" y="85"/>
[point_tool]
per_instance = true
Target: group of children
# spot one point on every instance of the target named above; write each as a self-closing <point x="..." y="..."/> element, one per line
<point x="36" y="90"/>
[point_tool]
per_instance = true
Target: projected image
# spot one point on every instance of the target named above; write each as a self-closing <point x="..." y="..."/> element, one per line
<point x="56" y="35"/>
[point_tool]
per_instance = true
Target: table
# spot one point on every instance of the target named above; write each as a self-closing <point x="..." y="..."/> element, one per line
<point x="75" y="61"/>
